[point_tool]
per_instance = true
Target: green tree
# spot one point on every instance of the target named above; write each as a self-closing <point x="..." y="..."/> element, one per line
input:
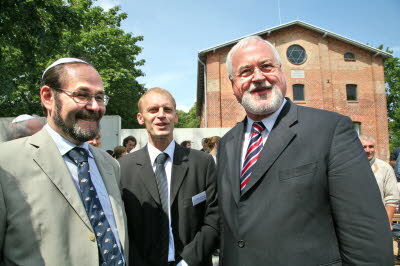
<point x="189" y="119"/>
<point x="35" y="33"/>
<point x="392" y="80"/>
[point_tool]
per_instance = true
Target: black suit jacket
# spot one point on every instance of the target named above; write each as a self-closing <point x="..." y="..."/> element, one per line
<point x="195" y="228"/>
<point x="312" y="198"/>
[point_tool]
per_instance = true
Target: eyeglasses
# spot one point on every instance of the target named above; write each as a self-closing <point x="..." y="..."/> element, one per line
<point x="83" y="97"/>
<point x="248" y="71"/>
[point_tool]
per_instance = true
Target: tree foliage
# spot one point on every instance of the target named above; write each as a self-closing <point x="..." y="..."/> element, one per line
<point x="33" y="34"/>
<point x="392" y="80"/>
<point x="189" y="119"/>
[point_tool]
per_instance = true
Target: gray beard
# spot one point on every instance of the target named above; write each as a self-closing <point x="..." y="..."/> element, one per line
<point x="250" y="104"/>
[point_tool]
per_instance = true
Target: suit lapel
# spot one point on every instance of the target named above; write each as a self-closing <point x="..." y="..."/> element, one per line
<point x="146" y="173"/>
<point x="278" y="139"/>
<point x="108" y="175"/>
<point x="234" y="147"/>
<point x="179" y="170"/>
<point x="48" y="157"/>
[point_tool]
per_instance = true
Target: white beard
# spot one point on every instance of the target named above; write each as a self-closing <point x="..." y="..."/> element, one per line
<point x="251" y="105"/>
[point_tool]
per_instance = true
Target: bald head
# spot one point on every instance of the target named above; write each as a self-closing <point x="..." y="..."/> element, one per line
<point x="24" y="128"/>
<point x="157" y="91"/>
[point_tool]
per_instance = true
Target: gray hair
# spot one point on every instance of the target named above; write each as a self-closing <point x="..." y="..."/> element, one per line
<point x="366" y="137"/>
<point x="245" y="42"/>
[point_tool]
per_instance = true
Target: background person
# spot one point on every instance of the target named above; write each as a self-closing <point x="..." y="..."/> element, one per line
<point x="129" y="143"/>
<point x="212" y="145"/>
<point x="385" y="177"/>
<point x="96" y="141"/>
<point x="24" y="126"/>
<point x="203" y="145"/>
<point x="119" y="152"/>
<point x="186" y="144"/>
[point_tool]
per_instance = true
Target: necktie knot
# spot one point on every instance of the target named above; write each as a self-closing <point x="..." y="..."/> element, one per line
<point x="161" y="158"/>
<point x="258" y="127"/>
<point x="78" y="155"/>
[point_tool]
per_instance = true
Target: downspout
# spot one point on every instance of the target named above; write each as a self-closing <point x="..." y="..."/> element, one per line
<point x="205" y="94"/>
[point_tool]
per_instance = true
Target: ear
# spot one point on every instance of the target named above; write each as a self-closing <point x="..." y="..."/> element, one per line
<point x="140" y="119"/>
<point x="176" y="117"/>
<point x="47" y="97"/>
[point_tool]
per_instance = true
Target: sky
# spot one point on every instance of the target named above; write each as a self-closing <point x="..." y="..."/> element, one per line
<point x="175" y="31"/>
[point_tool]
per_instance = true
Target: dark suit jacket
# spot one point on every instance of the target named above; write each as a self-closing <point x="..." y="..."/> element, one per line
<point x="195" y="228"/>
<point x="312" y="198"/>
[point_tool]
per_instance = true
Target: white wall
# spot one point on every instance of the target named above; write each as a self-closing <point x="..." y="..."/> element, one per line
<point x="195" y="135"/>
<point x="110" y="126"/>
<point x="112" y="134"/>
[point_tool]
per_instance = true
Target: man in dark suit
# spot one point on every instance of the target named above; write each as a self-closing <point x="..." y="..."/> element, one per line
<point x="169" y="192"/>
<point x="297" y="189"/>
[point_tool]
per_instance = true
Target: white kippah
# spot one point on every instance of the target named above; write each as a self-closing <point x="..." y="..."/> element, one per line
<point x="64" y="60"/>
<point x="22" y="118"/>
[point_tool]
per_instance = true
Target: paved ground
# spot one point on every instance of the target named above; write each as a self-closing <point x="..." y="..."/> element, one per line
<point x="395" y="249"/>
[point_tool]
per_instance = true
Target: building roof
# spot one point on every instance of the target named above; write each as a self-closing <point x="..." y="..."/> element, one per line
<point x="325" y="33"/>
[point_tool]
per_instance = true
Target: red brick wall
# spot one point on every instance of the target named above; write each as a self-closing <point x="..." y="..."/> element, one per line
<point x="326" y="74"/>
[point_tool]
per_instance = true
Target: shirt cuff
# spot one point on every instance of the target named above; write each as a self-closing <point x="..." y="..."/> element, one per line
<point x="182" y="263"/>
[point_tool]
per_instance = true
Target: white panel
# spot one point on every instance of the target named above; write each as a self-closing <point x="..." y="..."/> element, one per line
<point x="297" y="74"/>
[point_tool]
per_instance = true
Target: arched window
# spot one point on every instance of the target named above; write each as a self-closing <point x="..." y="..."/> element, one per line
<point x="349" y="56"/>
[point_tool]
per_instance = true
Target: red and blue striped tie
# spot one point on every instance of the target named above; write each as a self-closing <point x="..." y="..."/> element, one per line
<point x="252" y="154"/>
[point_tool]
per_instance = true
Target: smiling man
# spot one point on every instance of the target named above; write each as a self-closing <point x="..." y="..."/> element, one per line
<point x="59" y="198"/>
<point x="385" y="177"/>
<point x="294" y="185"/>
<point x="169" y="192"/>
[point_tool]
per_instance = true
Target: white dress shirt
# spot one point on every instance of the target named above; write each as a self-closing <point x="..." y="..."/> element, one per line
<point x="268" y="123"/>
<point x="153" y="153"/>
<point x="64" y="146"/>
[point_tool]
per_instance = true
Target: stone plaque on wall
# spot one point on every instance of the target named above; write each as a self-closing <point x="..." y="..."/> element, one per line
<point x="297" y="74"/>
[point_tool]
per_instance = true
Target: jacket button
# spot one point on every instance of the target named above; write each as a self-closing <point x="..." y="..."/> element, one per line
<point x="92" y="237"/>
<point x="241" y="243"/>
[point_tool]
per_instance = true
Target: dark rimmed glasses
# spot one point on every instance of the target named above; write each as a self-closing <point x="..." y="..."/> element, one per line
<point x="84" y="97"/>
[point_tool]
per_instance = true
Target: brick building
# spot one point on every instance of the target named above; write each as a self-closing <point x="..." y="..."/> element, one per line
<point x="323" y="70"/>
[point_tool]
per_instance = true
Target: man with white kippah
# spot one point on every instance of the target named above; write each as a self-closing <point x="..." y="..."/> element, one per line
<point x="24" y="126"/>
<point x="60" y="203"/>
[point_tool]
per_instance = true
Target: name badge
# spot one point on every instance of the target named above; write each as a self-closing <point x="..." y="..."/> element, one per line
<point x="199" y="198"/>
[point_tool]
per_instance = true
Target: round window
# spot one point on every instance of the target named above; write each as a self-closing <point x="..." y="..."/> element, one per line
<point x="296" y="54"/>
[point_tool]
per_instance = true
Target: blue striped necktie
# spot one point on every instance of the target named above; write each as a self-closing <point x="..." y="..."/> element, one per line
<point x="252" y="154"/>
<point x="110" y="253"/>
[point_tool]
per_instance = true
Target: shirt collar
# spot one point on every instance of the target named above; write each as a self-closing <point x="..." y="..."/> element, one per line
<point x="154" y="152"/>
<point x="372" y="161"/>
<point x="64" y="145"/>
<point x="269" y="121"/>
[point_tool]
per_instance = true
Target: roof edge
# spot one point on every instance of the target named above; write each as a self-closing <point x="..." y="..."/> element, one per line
<point x="306" y="25"/>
